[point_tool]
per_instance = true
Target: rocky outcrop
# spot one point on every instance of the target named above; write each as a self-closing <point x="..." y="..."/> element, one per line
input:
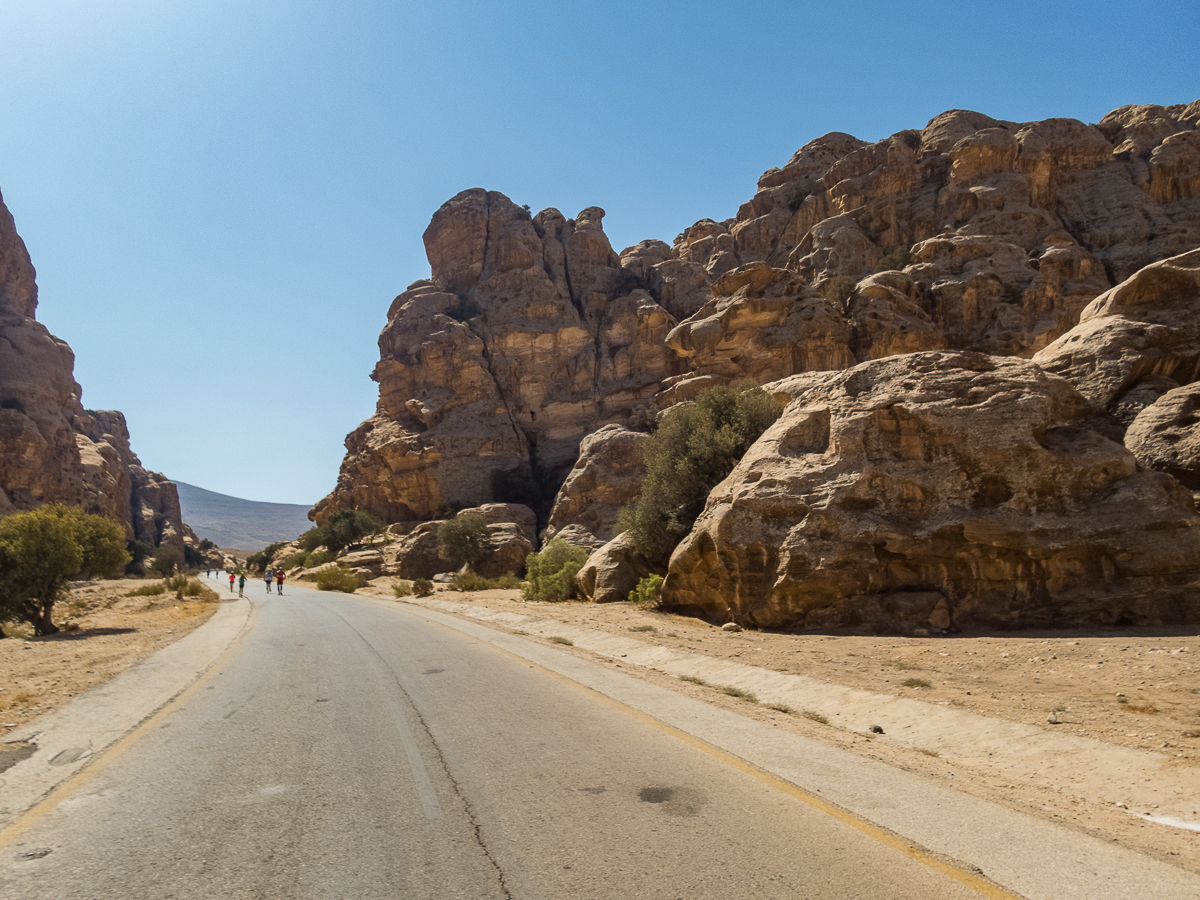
<point x="529" y="336"/>
<point x="612" y="571"/>
<point x="411" y="550"/>
<point x="937" y="491"/>
<point x="52" y="450"/>
<point x="607" y="476"/>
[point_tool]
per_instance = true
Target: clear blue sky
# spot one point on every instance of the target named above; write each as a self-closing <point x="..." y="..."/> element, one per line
<point x="222" y="198"/>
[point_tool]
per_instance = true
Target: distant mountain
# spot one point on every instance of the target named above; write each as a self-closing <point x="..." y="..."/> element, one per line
<point x="240" y="524"/>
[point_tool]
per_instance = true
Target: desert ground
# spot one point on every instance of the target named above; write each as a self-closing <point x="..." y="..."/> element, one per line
<point x="1135" y="689"/>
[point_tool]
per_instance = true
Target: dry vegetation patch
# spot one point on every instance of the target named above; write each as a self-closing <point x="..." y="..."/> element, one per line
<point x="109" y="630"/>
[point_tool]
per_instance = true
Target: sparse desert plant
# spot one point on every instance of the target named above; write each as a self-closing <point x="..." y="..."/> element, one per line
<point x="694" y="447"/>
<point x="402" y="588"/>
<point x="934" y="753"/>
<point x="894" y="260"/>
<point x="642" y="628"/>
<point x="916" y="683"/>
<point x="558" y="639"/>
<point x="422" y="587"/>
<point x="1144" y="707"/>
<point x="1193" y="733"/>
<point x="339" y="578"/>
<point x="148" y="590"/>
<point x="906" y="667"/>
<point x="551" y="573"/>
<point x="814" y="716"/>
<point x="781" y="707"/>
<point x="507" y="582"/>
<point x="837" y="290"/>
<point x="465" y="580"/>
<point x="692" y="679"/>
<point x="739" y="693"/>
<point x="645" y="594"/>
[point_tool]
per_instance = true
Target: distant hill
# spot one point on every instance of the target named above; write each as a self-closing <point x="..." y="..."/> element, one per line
<point x="241" y="524"/>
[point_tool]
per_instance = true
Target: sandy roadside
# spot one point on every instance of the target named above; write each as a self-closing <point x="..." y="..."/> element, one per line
<point x="38" y="675"/>
<point x="1139" y="691"/>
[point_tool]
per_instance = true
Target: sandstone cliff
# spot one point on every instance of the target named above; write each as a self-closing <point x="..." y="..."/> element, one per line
<point x="972" y="242"/>
<point x="51" y="449"/>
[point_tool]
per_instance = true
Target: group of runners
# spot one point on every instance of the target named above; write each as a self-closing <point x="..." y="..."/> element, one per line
<point x="268" y="577"/>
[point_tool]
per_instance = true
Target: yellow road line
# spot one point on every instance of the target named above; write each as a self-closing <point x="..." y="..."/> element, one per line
<point x="47" y="804"/>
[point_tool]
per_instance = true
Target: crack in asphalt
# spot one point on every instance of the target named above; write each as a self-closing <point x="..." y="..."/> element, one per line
<point x="468" y="808"/>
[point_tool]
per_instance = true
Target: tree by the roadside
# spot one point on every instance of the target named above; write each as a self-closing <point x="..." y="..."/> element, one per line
<point x="693" y="448"/>
<point x="463" y="540"/>
<point x="42" y="550"/>
<point x="550" y="573"/>
<point x="342" y="529"/>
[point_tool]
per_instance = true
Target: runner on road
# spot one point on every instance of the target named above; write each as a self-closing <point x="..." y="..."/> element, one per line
<point x="241" y="583"/>
<point x="267" y="579"/>
<point x="231" y="577"/>
<point x="279" y="580"/>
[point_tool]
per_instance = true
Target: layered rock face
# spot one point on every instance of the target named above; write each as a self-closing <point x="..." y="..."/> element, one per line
<point x="971" y="233"/>
<point x="940" y="490"/>
<point x="529" y="336"/>
<point x="51" y="449"/>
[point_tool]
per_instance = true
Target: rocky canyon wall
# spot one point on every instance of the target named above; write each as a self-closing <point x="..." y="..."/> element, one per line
<point x="52" y="450"/>
<point x="1036" y="253"/>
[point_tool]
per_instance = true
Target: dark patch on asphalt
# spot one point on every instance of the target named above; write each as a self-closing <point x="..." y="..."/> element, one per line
<point x="433" y="671"/>
<point x="11" y="754"/>
<point x="66" y="757"/>
<point x="36" y="853"/>
<point x="674" y="801"/>
<point x="597" y="790"/>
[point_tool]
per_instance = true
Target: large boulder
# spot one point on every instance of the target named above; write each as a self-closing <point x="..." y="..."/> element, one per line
<point x="612" y="571"/>
<point x="607" y="477"/>
<point x="1166" y="435"/>
<point x="939" y="490"/>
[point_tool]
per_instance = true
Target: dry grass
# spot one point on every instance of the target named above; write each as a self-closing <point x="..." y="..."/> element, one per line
<point x="932" y="753"/>
<point x="815" y="716"/>
<point x="781" y="707"/>
<point x="1144" y="707"/>
<point x="556" y="639"/>
<point x="916" y="683"/>
<point x="739" y="693"/>
<point x="642" y="628"/>
<point x="692" y="679"/>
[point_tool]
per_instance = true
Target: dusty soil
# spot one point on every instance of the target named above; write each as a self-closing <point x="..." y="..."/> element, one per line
<point x="115" y="631"/>
<point x="1135" y="689"/>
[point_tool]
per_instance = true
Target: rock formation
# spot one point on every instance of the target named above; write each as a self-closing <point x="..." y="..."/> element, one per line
<point x="51" y="449"/>
<point x="935" y="490"/>
<point x="962" y="248"/>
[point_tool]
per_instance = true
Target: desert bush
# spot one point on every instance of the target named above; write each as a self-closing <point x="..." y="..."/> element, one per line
<point x="41" y="550"/>
<point x="297" y="560"/>
<point x="695" y="446"/>
<point x="550" y="574"/>
<point x="402" y="588"/>
<point x="646" y="592"/>
<point x="837" y="290"/>
<point x="507" y="582"/>
<point x="463" y="540"/>
<point x="643" y="418"/>
<point x="343" y="528"/>
<point x="465" y="580"/>
<point x="164" y="561"/>
<point x="257" y="562"/>
<point x="148" y="590"/>
<point x="339" y="578"/>
<point x="139" y="552"/>
<point x="894" y="260"/>
<point x="422" y="587"/>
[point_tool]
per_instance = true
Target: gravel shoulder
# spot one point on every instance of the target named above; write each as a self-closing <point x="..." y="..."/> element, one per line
<point x="1136" y="690"/>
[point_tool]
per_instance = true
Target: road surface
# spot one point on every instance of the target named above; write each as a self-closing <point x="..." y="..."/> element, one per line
<point x="350" y="748"/>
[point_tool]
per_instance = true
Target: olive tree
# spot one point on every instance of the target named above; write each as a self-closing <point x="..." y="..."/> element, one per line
<point x="42" y="550"/>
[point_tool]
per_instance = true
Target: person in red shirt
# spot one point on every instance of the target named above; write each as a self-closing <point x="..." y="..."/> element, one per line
<point x="279" y="580"/>
<point x="231" y="576"/>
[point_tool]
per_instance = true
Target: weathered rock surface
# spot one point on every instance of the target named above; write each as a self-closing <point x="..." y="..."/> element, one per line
<point x="939" y="490"/>
<point x="1166" y="435"/>
<point x="51" y="449"/>
<point x="412" y="548"/>
<point x="607" y="476"/>
<point x="612" y="571"/>
<point x="529" y="336"/>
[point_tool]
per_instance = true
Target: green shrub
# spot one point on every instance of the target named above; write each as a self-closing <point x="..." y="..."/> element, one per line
<point x="148" y="590"/>
<point x="837" y="290"/>
<point x="465" y="580"/>
<point x="257" y="562"/>
<point x="338" y="578"/>
<point x="894" y="260"/>
<point x="342" y="529"/>
<point x="507" y="582"/>
<point x="550" y="574"/>
<point x="402" y="588"/>
<point x="164" y="561"/>
<point x="139" y="552"/>
<point x="297" y="560"/>
<point x="646" y="592"/>
<point x="695" y="446"/>
<point x="422" y="587"/>
<point x="463" y="540"/>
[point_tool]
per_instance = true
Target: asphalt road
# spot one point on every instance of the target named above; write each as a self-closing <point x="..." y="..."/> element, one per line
<point x="352" y="749"/>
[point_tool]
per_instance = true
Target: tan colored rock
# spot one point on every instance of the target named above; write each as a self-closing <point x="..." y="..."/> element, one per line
<point x="607" y="477"/>
<point x="1166" y="435"/>
<point x="1143" y="328"/>
<point x="612" y="571"/>
<point x="529" y="336"/>
<point x="891" y="487"/>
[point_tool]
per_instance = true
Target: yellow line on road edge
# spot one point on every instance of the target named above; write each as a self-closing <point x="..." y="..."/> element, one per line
<point x="968" y="879"/>
<point x="47" y="804"/>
